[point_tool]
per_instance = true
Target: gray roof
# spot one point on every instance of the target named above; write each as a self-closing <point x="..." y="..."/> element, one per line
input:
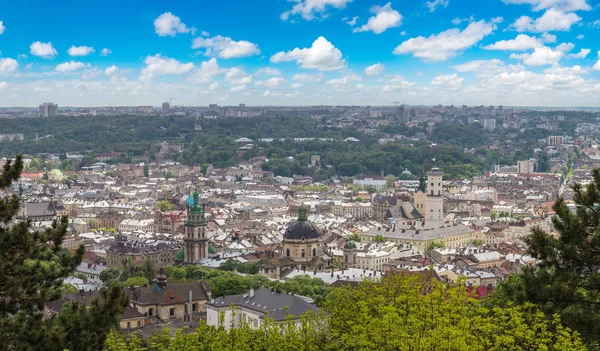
<point x="424" y="233"/>
<point x="276" y="305"/>
<point x="40" y="209"/>
<point x="173" y="294"/>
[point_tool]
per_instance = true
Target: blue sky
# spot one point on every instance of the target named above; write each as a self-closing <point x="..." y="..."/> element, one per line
<point x="509" y="52"/>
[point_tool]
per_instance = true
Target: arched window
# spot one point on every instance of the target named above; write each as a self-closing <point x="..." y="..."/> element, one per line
<point x="303" y="254"/>
<point x="314" y="252"/>
<point x="287" y="252"/>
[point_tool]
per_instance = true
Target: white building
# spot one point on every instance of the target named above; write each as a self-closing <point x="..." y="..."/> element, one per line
<point x="376" y="183"/>
<point x="435" y="195"/>
<point x="254" y="307"/>
<point x="489" y="123"/>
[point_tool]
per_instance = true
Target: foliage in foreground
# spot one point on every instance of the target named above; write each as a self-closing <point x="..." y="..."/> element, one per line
<point x="400" y="313"/>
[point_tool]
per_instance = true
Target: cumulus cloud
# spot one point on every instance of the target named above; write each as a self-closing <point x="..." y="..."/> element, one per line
<point x="8" y="65"/>
<point x="564" y="5"/>
<point x="80" y="50"/>
<point x="597" y="65"/>
<point x="385" y="18"/>
<point x="305" y="77"/>
<point x="237" y="76"/>
<point x="433" y="5"/>
<point x="43" y="50"/>
<point x="2" y="28"/>
<point x="105" y="52"/>
<point x="311" y="9"/>
<point x="540" y="56"/>
<point x="565" y="47"/>
<point x="168" y="24"/>
<point x="580" y="36"/>
<point x="109" y="71"/>
<point x="271" y="83"/>
<point x="225" y="47"/>
<point x="342" y="81"/>
<point x="238" y="88"/>
<point x="206" y="72"/>
<point x="448" y="80"/>
<point x="397" y="86"/>
<point x="521" y="43"/>
<point x="374" y="70"/>
<point x="351" y="22"/>
<point x="442" y="46"/>
<point x="70" y="66"/>
<point x="3" y="86"/>
<point x="268" y="71"/>
<point x="158" y="65"/>
<point x="296" y="85"/>
<point x="213" y="86"/>
<point x="322" y="55"/>
<point x="581" y="54"/>
<point x="552" y="20"/>
<point x="472" y="66"/>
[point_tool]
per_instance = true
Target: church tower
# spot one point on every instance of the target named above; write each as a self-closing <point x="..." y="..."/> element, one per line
<point x="435" y="195"/>
<point x="22" y="214"/>
<point x="350" y="254"/>
<point x="420" y="198"/>
<point x="195" y="241"/>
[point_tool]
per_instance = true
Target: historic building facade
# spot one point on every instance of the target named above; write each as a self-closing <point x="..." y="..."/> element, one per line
<point x="195" y="242"/>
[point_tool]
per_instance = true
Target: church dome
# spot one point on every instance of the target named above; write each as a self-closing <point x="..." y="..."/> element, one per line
<point x="302" y="229"/>
<point x="350" y="244"/>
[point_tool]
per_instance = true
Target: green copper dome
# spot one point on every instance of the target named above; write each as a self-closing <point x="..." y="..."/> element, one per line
<point x="212" y="250"/>
<point x="180" y="256"/>
<point x="350" y="244"/>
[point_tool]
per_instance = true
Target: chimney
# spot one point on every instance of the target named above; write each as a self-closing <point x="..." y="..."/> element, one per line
<point x="251" y="293"/>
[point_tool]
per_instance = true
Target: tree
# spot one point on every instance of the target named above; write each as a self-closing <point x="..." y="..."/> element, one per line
<point x="493" y="215"/>
<point x="478" y="242"/>
<point x="136" y="281"/>
<point x="355" y="237"/>
<point x="33" y="266"/>
<point x="164" y="206"/>
<point x="379" y="238"/>
<point x="389" y="181"/>
<point x="146" y="170"/>
<point x="168" y="175"/>
<point x="435" y="245"/>
<point x="109" y="275"/>
<point x="566" y="279"/>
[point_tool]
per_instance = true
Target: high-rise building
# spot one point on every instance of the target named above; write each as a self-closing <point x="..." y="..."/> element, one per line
<point x="195" y="241"/>
<point x="489" y="123"/>
<point x="48" y="109"/>
<point x="165" y="107"/>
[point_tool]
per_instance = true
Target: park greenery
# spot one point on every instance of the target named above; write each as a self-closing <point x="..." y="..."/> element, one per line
<point x="136" y="138"/>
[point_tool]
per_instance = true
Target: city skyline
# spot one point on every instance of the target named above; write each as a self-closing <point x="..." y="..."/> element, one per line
<point x="335" y="52"/>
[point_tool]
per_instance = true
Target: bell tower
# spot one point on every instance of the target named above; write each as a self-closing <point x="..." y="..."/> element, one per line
<point x="435" y="195"/>
<point x="195" y="241"/>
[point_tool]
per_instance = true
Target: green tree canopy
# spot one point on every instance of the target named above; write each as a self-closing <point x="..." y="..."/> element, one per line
<point x="164" y="206"/>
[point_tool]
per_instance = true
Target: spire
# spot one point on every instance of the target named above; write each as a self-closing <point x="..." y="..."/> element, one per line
<point x="161" y="279"/>
<point x="302" y="213"/>
<point x="422" y="183"/>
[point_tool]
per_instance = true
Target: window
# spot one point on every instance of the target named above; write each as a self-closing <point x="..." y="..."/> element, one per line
<point x="139" y="323"/>
<point x="314" y="252"/>
<point x="172" y="312"/>
<point x="128" y="325"/>
<point x="303" y="254"/>
<point x="151" y="311"/>
<point x="287" y="252"/>
<point x="194" y="306"/>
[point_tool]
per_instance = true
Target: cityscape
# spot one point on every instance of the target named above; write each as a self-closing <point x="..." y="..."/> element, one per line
<point x="425" y="176"/>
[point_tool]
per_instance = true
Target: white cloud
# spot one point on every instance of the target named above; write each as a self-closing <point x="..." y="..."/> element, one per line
<point x="270" y="93"/>
<point x="158" y="65"/>
<point x="548" y="38"/>
<point x="311" y="9"/>
<point x="268" y="71"/>
<point x="385" y="18"/>
<point x="296" y="85"/>
<point x="540" y="56"/>
<point x="214" y="86"/>
<point x="595" y="24"/>
<point x="397" y="86"/>
<point x="105" y="52"/>
<point x="109" y="71"/>
<point x="3" y="86"/>
<point x="476" y="65"/>
<point x="597" y="65"/>
<point x="342" y="81"/>
<point x="80" y="50"/>
<point x="456" y="21"/>
<point x="580" y="36"/>
<point x="564" y="5"/>
<point x="552" y="20"/>
<point x="565" y="47"/>
<point x="433" y="5"/>
<point x="581" y="54"/>
<point x="237" y="76"/>
<point x="374" y="70"/>
<point x="169" y="25"/>
<point x="305" y="77"/>
<point x="238" y="88"/>
<point x="43" y="50"/>
<point x="521" y="43"/>
<point x="206" y="72"/>
<point x="442" y="46"/>
<point x="322" y="55"/>
<point x="2" y="28"/>
<point x="448" y="80"/>
<point x="225" y="47"/>
<point x="22" y="57"/>
<point x="8" y="65"/>
<point x="403" y="33"/>
<point x="271" y="83"/>
<point x="70" y="66"/>
<point x="351" y="22"/>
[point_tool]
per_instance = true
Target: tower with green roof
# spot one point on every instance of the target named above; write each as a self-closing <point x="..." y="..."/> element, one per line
<point x="195" y="241"/>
